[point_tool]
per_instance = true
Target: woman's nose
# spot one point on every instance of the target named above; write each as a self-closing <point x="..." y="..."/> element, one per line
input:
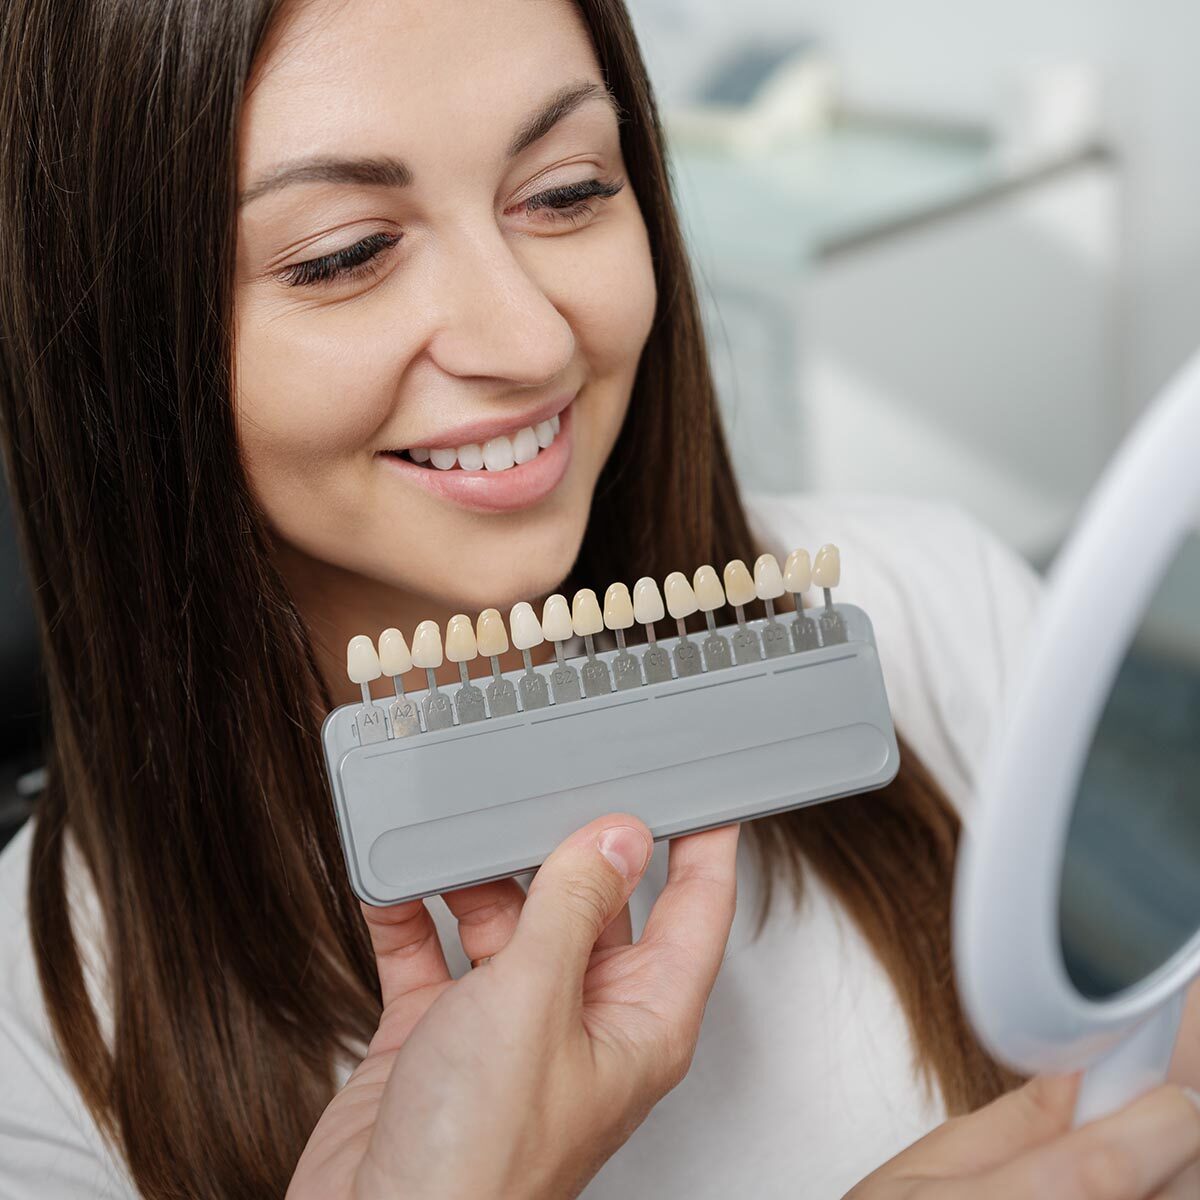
<point x="495" y="318"/>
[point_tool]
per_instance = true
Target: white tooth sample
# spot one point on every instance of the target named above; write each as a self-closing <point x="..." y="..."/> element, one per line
<point x="443" y="459"/>
<point x="827" y="569"/>
<point x="586" y="618"/>
<point x="470" y="458"/>
<point x="490" y="635"/>
<point x="556" y="423"/>
<point x="556" y="618"/>
<point x="421" y="455"/>
<point x="681" y="600"/>
<point x="526" y="628"/>
<point x="427" y="646"/>
<point x="524" y="445"/>
<point x="394" y="657"/>
<point x="709" y="593"/>
<point x="498" y="453"/>
<point x="647" y="602"/>
<point x="362" y="662"/>
<point x="797" y="571"/>
<point x="768" y="579"/>
<point x="544" y="432"/>
<point x="739" y="587"/>
<point x="618" y="607"/>
<point x="460" y="639"/>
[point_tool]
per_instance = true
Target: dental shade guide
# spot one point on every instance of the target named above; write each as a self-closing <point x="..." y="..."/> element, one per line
<point x="797" y="578"/>
<point x="487" y="789"/>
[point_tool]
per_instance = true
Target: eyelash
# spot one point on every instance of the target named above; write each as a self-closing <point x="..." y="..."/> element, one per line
<point x="571" y="203"/>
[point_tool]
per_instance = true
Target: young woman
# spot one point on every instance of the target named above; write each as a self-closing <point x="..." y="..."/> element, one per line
<point x="258" y="262"/>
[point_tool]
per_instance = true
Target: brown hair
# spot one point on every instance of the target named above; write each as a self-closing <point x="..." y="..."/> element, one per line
<point x="168" y="633"/>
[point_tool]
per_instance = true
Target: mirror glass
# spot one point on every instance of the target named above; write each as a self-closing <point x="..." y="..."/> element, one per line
<point x="1129" y="894"/>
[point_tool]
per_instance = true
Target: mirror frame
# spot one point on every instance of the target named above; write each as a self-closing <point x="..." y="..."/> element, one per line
<point x="1007" y="942"/>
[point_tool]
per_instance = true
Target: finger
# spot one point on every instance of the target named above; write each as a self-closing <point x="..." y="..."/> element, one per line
<point x="487" y="915"/>
<point x="689" y="924"/>
<point x="1127" y="1156"/>
<point x="407" y="950"/>
<point x="576" y="894"/>
<point x="1021" y="1119"/>
<point x="618" y="933"/>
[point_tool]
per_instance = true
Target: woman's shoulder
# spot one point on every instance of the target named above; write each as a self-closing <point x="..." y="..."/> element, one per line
<point x="49" y="1143"/>
<point x="951" y="604"/>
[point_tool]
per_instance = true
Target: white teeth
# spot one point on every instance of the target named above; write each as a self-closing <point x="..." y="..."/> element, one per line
<point x="498" y="453"/>
<point x="470" y="458"/>
<point x="524" y="445"/>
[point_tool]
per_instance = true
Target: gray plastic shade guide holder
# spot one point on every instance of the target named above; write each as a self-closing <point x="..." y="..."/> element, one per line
<point x="426" y="814"/>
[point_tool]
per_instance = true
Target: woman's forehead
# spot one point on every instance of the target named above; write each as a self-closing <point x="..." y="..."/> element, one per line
<point x="425" y="80"/>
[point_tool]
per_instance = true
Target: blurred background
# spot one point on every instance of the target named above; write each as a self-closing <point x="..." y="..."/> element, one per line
<point x="943" y="249"/>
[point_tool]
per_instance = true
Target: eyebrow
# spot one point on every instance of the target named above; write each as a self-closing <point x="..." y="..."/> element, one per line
<point x="393" y="172"/>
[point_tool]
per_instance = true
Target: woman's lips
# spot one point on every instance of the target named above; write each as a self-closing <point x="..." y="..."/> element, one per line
<point x="515" y="488"/>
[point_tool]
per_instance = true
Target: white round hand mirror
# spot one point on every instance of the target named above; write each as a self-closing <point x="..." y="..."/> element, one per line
<point x="1077" y="898"/>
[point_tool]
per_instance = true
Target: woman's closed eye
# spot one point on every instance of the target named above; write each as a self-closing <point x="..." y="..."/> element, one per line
<point x="570" y="203"/>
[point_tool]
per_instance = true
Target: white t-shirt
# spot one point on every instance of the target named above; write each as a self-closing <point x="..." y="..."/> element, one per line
<point x="803" y="1079"/>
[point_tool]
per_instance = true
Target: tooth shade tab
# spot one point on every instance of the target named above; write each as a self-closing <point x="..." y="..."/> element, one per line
<point x="827" y="569"/>
<point x="768" y="579"/>
<point x="586" y="618"/>
<point x="618" y="607"/>
<point x="681" y="600"/>
<point x="526" y="628"/>
<point x="460" y="639"/>
<point x="427" y="646"/>
<point x="647" y="601"/>
<point x="556" y="618"/>
<point x="490" y="635"/>
<point x="739" y="587"/>
<point x="362" y="662"/>
<point x="707" y="586"/>
<point x="394" y="657"/>
<point x="797" y="571"/>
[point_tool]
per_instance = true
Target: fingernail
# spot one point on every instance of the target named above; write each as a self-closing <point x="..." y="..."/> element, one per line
<point x="626" y="848"/>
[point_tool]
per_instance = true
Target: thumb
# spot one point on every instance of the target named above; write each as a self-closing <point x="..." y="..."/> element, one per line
<point x="576" y="893"/>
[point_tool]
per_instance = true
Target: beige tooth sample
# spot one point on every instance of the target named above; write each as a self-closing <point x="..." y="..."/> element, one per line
<point x="587" y="620"/>
<point x="768" y="586"/>
<point x="462" y="648"/>
<point x="491" y="638"/>
<point x="827" y="574"/>
<point x="647" y="609"/>
<point x="709" y="597"/>
<point x="618" y="616"/>
<point x="527" y="633"/>
<point x="396" y="661"/>
<point x="827" y="569"/>
<point x="362" y="665"/>
<point x="362" y="662"/>
<point x="797" y="578"/>
<point x="739" y="591"/>
<point x="427" y="654"/>
<point x="797" y="574"/>
<point x="681" y="604"/>
<point x="556" y="625"/>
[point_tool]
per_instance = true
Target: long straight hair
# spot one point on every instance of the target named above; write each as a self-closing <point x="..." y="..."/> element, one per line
<point x="185" y="698"/>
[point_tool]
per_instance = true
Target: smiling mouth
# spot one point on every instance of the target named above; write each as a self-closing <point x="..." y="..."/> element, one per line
<point x="500" y="453"/>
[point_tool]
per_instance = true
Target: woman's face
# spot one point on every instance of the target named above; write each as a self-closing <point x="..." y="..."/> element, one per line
<point x="438" y="254"/>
